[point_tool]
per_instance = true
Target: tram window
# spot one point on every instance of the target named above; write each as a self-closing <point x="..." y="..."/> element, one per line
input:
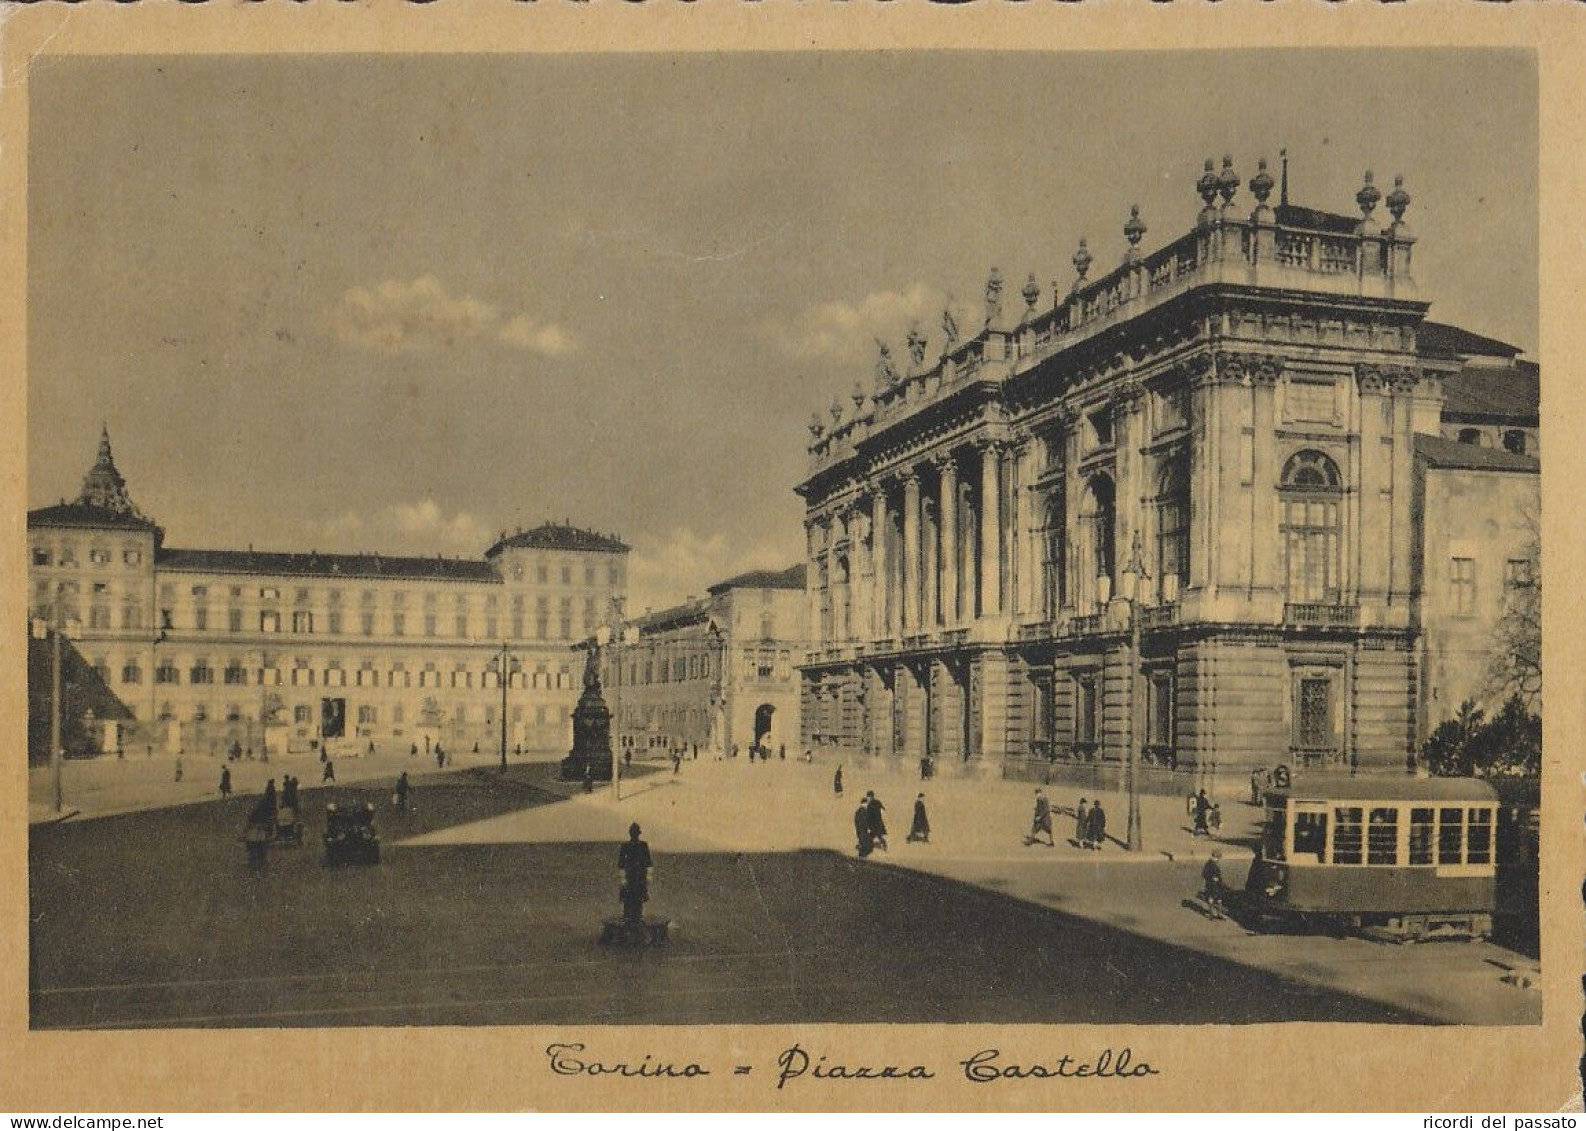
<point x="1310" y="834"/>
<point x="1346" y="835"/>
<point x="1480" y="843"/>
<point x="1420" y="836"/>
<point x="1450" y="836"/>
<point x="1382" y="837"/>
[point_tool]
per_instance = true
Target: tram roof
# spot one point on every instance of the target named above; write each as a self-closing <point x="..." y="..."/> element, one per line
<point x="1343" y="787"/>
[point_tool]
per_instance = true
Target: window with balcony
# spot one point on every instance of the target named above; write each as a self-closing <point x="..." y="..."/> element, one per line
<point x="1310" y="495"/>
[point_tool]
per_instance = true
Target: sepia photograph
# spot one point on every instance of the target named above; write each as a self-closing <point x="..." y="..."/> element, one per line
<point x="768" y="538"/>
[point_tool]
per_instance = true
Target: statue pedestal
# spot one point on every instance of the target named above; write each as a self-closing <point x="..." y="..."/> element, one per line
<point x="591" y="754"/>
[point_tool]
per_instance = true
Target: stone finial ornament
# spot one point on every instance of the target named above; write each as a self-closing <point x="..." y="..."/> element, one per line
<point x="836" y="409"/>
<point x="1228" y="180"/>
<point x="1261" y="184"/>
<point x="916" y="341"/>
<point x="1134" y="230"/>
<point x="1367" y="197"/>
<point x="1207" y="185"/>
<point x="858" y="397"/>
<point x="1082" y="262"/>
<point x="1032" y="293"/>
<point x="1398" y="199"/>
<point x="815" y="425"/>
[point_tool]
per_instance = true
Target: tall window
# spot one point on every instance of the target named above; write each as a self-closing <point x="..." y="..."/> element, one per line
<point x="1100" y="518"/>
<point x="1313" y="714"/>
<point x="1053" y="581"/>
<point x="1309" y="497"/>
<point x="1172" y="527"/>
<point x="1085" y="710"/>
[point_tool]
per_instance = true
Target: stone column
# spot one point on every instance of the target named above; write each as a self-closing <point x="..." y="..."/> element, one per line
<point x="812" y="582"/>
<point x="910" y="620"/>
<point x="949" y="536"/>
<point x="881" y="605"/>
<point x="990" y="531"/>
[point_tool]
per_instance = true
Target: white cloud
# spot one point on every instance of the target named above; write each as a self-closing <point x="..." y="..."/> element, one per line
<point x="420" y="528"/>
<point x="681" y="562"/>
<point x="546" y="338"/>
<point x="402" y="317"/>
<point x="847" y="331"/>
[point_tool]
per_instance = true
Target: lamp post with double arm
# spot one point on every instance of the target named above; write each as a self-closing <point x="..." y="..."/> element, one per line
<point x="1135" y="570"/>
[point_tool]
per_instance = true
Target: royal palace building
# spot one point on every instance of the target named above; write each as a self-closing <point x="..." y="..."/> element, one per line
<point x="197" y="650"/>
<point x="1235" y="502"/>
<point x="714" y="673"/>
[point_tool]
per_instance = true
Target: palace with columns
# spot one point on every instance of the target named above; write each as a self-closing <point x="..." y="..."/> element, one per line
<point x="1181" y="506"/>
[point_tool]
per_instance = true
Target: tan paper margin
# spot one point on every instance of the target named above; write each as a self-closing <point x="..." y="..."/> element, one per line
<point x="1302" y="1066"/>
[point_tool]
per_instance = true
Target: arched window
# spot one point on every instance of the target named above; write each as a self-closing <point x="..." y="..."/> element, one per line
<point x="1514" y="441"/>
<point x="1172" y="526"/>
<point x="1054" y="582"/>
<point x="1100" y="517"/>
<point x="1309" y="496"/>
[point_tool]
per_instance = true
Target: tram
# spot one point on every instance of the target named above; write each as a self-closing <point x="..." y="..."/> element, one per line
<point x="1408" y="857"/>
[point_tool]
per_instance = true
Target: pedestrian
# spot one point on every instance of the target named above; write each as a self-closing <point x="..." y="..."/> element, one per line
<point x="1202" y="805"/>
<point x="1255" y="786"/>
<point x="677" y="762"/>
<point x="878" y="823"/>
<point x="634" y="865"/>
<point x="1212" y="889"/>
<point x="1082" y="824"/>
<point x="289" y="793"/>
<point x="330" y="771"/>
<point x="1098" y="826"/>
<point x="920" y="830"/>
<point x="696" y="752"/>
<point x="178" y="769"/>
<point x="269" y="805"/>
<point x="401" y="797"/>
<point x="1041" y="822"/>
<point x="627" y="759"/>
<point x="413" y="751"/>
<point x="440" y="757"/>
<point x="476" y="748"/>
<point x="837" y="782"/>
<point x="862" y="834"/>
<point x="809" y="756"/>
<point x="225" y="781"/>
<point x="589" y="778"/>
<point x="257" y="835"/>
<point x="371" y="748"/>
<point x="781" y="753"/>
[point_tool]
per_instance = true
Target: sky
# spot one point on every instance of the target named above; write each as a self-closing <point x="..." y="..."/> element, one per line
<point x="350" y="303"/>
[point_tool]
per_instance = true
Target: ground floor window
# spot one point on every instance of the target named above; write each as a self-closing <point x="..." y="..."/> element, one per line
<point x="1085" y="713"/>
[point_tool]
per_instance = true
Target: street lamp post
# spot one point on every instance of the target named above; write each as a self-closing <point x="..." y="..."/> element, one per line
<point x="503" y="677"/>
<point x="1136" y="570"/>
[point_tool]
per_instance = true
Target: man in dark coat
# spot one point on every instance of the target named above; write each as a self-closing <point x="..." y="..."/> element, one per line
<point x="878" y="824"/>
<point x="225" y="781"/>
<point x="1041" y="822"/>
<point x="864" y="842"/>
<point x="402" y="790"/>
<point x="1098" y="825"/>
<point x="837" y="782"/>
<point x="1202" y="806"/>
<point x="634" y="864"/>
<point x="920" y="830"/>
<point x="330" y="771"/>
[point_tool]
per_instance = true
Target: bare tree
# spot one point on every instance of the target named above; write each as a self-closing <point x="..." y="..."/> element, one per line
<point x="1515" y="670"/>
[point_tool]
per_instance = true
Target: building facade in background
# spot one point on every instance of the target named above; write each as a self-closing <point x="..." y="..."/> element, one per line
<point x="1200" y="505"/>
<point x="206" y="648"/>
<point x="716" y="672"/>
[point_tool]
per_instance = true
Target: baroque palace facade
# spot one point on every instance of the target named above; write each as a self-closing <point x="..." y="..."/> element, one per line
<point x="1184" y="507"/>
<point x="194" y="650"/>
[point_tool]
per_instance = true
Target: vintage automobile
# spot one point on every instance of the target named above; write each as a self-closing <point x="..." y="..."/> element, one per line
<point x="350" y="836"/>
